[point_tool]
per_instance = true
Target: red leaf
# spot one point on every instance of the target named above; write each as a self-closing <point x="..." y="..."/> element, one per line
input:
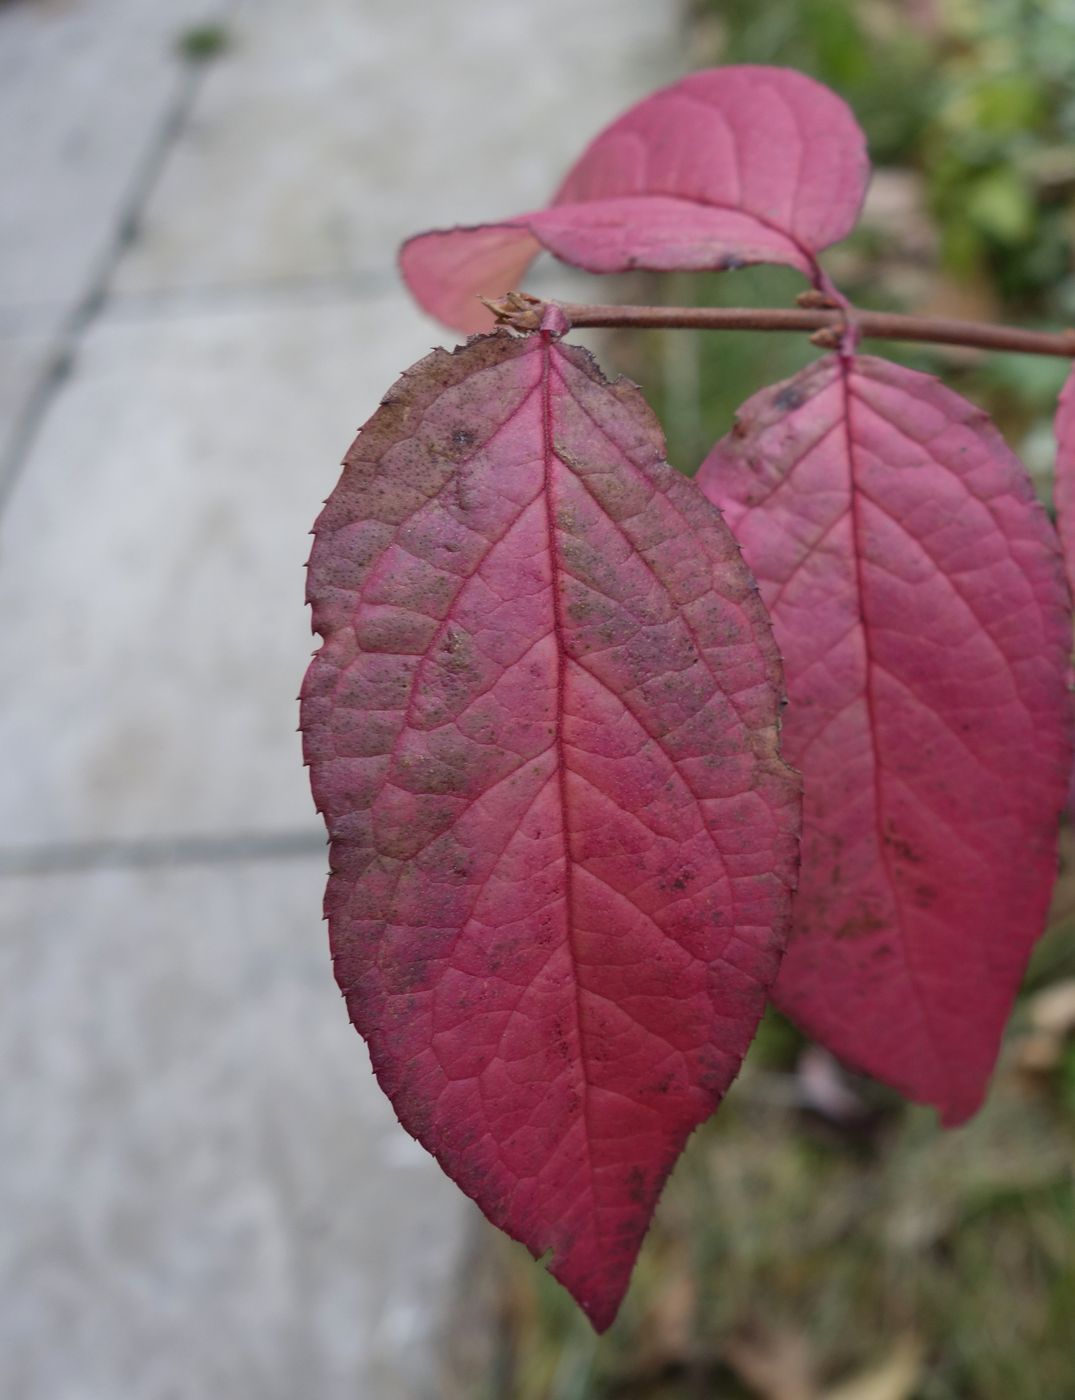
<point x="726" y="167"/>
<point x="1064" y="478"/>
<point x="542" y="730"/>
<point x="1064" y="502"/>
<point x="917" y="597"/>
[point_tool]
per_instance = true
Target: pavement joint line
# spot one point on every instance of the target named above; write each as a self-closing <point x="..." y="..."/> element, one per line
<point x="31" y="417"/>
<point x="160" y="853"/>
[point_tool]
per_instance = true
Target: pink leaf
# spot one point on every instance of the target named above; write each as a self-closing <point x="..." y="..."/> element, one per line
<point x="1064" y="502"/>
<point x="542" y="731"/>
<point x="726" y="167"/>
<point x="917" y="597"/>
<point x="1064" y="478"/>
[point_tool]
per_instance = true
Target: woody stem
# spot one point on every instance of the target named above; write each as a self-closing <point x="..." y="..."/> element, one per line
<point x="877" y="325"/>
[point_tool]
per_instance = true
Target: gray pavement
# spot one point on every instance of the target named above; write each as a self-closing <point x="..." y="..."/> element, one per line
<point x="202" y="1191"/>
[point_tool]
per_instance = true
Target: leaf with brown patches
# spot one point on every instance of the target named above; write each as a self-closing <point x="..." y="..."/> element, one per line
<point x="542" y="731"/>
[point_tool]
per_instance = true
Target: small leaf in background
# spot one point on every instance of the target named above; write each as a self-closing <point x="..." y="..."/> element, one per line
<point x="1052" y="1025"/>
<point x="1001" y="204"/>
<point x="726" y="167"/>
<point x="542" y="731"/>
<point x="1052" y="1011"/>
<point x="897" y="1376"/>
<point x="775" y="1362"/>
<point x="917" y="596"/>
<point x="779" y="1364"/>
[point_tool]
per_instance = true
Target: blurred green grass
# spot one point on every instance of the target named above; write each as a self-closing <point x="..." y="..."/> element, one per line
<point x="877" y="1258"/>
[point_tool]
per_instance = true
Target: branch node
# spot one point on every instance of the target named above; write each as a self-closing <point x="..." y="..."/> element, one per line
<point x="519" y="311"/>
<point x="828" y="337"/>
<point x="815" y="300"/>
<point x="554" y="320"/>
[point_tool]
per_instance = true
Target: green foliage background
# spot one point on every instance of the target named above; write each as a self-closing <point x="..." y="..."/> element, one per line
<point x="797" y="1255"/>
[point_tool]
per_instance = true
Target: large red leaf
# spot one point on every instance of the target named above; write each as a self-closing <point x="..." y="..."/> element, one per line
<point x="917" y="597"/>
<point x="726" y="167"/>
<point x="542" y="731"/>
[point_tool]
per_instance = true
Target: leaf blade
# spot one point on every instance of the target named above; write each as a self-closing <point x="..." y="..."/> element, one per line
<point x="1064" y="476"/>
<point x="561" y="849"/>
<point x="727" y="167"/>
<point x="916" y="596"/>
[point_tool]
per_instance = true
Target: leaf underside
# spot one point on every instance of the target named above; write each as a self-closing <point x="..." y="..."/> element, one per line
<point x="541" y="728"/>
<point x="918" y="600"/>
<point x="726" y="167"/>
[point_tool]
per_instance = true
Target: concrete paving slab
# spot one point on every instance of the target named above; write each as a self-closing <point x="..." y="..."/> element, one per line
<point x="23" y="361"/>
<point x="84" y="87"/>
<point x="204" y="1192"/>
<point x="151" y="569"/>
<point x="332" y="129"/>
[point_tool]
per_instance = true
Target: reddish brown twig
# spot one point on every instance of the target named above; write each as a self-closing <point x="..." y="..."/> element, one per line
<point x="523" y="312"/>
